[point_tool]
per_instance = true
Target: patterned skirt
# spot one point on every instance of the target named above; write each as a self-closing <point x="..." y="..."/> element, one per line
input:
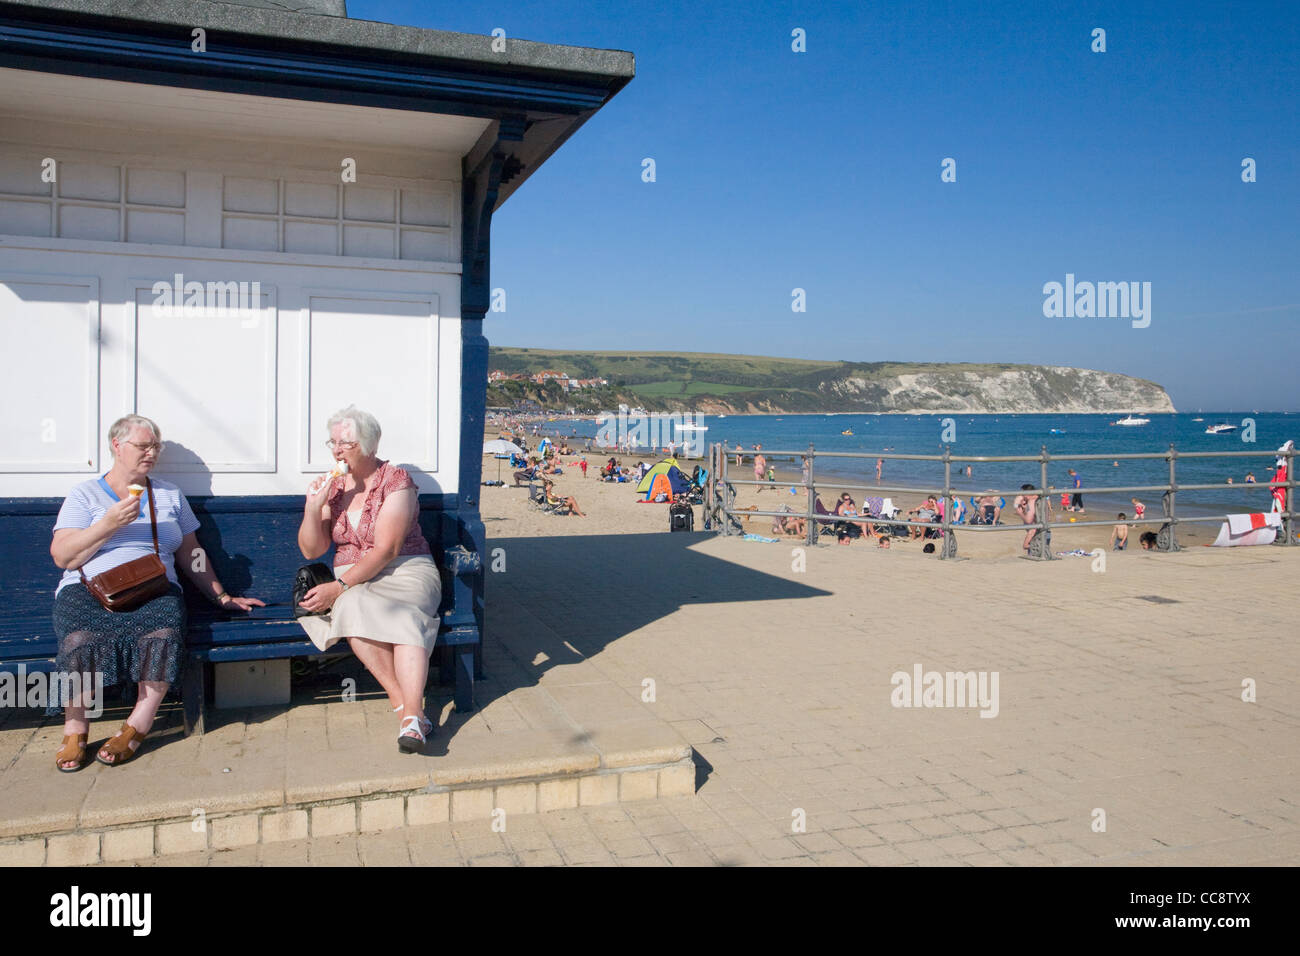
<point x="147" y="644"/>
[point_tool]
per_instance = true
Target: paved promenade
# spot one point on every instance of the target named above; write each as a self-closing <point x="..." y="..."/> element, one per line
<point x="1119" y="703"/>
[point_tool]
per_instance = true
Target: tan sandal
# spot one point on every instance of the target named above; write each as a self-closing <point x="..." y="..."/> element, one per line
<point x="73" y="750"/>
<point x="119" y="747"/>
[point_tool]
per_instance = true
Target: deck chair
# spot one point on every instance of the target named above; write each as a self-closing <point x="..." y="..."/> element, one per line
<point x="820" y="509"/>
<point x="537" y="498"/>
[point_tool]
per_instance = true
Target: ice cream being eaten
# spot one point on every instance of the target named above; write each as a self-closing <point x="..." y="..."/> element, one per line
<point x="339" y="470"/>
<point x="135" y="491"/>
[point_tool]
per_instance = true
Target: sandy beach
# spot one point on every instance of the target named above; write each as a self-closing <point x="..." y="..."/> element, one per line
<point x="614" y="508"/>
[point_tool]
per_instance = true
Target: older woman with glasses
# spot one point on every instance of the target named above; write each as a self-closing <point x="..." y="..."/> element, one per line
<point x="386" y="589"/>
<point x="105" y="523"/>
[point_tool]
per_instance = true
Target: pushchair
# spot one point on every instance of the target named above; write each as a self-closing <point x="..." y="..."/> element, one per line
<point x="694" y="494"/>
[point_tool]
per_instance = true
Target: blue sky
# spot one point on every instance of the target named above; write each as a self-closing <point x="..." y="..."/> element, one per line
<point x="821" y="170"/>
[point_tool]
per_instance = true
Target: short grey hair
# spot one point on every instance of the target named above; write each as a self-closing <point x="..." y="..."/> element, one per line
<point x="365" y="429"/>
<point x="122" y="427"/>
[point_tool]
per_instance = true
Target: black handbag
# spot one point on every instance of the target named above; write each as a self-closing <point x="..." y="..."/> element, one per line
<point x="308" y="577"/>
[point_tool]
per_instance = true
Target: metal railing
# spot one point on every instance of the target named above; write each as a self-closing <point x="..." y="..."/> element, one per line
<point x="720" y="494"/>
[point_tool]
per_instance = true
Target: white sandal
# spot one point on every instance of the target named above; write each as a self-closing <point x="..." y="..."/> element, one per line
<point x="410" y="739"/>
<point x="426" y="725"/>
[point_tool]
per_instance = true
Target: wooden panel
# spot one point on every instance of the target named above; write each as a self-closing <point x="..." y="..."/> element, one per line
<point x="262" y="235"/>
<point x="207" y="376"/>
<point x="370" y="205"/>
<point x="21" y="174"/>
<point x="369" y="241"/>
<point x="321" y="238"/>
<point x="380" y="353"/>
<point x="90" y="181"/>
<point x="161" y="227"/>
<point x="422" y="207"/>
<point x="90" y="222"/>
<point x="19" y="218"/>
<point x="50" y="327"/>
<point x="155" y="187"/>
<point x="317" y="200"/>
<point x="244" y="194"/>
<point x="429" y="246"/>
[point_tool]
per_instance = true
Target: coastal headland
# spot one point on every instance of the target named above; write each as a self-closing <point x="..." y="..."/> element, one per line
<point x="748" y="384"/>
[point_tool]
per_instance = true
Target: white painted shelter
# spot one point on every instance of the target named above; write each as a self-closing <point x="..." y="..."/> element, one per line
<point x="128" y="160"/>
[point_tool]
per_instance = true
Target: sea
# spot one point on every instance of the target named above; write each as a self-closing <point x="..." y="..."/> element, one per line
<point x="1062" y="435"/>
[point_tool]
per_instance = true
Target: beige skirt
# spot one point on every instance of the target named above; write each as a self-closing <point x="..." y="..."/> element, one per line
<point x="399" y="605"/>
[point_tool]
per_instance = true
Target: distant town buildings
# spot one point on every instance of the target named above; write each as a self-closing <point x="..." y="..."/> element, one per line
<point x="549" y="375"/>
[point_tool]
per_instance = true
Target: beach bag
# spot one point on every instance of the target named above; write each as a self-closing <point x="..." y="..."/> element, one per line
<point x="681" y="517"/>
<point x="128" y="586"/>
<point x="308" y="576"/>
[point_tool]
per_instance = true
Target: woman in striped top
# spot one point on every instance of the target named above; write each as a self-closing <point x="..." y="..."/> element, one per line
<point x="105" y="523"/>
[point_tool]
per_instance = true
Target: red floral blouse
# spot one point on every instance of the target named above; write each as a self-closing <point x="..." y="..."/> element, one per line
<point x="351" y="543"/>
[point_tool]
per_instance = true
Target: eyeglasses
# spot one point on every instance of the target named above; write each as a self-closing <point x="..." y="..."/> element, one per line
<point x="147" y="447"/>
<point x="341" y="445"/>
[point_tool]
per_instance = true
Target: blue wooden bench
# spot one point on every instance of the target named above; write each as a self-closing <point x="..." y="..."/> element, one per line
<point x="252" y="544"/>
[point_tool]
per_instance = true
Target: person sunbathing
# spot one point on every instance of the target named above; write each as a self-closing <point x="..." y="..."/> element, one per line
<point x="847" y="530"/>
<point x="848" y="508"/>
<point x="525" y="475"/>
<point x="790" y="523"/>
<point x="548" y="489"/>
<point x="926" y="511"/>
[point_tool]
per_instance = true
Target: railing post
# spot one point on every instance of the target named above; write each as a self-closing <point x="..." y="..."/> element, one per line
<point x="948" y="548"/>
<point x="1287" y="522"/>
<point x="1167" y="537"/>
<point x="722" y="491"/>
<point x="708" y="487"/>
<point x="1041" y="546"/>
<point x="808" y="489"/>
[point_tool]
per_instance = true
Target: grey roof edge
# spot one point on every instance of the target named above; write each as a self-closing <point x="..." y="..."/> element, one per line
<point x="467" y="48"/>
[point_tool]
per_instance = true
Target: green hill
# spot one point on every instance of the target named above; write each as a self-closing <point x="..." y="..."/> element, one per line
<point x="704" y="382"/>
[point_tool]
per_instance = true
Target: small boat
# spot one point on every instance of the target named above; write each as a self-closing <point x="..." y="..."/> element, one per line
<point x="1057" y="431"/>
<point x="1131" y="419"/>
<point x="1220" y="429"/>
<point x="1198" y="419"/>
<point x="847" y="431"/>
<point x="692" y="428"/>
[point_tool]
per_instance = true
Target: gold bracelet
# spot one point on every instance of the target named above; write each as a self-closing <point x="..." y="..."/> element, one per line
<point x="221" y="597"/>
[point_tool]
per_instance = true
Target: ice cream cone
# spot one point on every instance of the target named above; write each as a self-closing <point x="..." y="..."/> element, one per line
<point x="135" y="491"/>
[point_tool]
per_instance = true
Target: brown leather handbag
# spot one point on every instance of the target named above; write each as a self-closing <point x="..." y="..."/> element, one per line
<point x="127" y="586"/>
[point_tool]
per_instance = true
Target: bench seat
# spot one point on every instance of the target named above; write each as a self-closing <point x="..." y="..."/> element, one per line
<point x="251" y="542"/>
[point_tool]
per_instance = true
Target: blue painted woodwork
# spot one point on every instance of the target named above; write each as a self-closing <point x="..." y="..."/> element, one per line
<point x="160" y="54"/>
<point x="252" y="544"/>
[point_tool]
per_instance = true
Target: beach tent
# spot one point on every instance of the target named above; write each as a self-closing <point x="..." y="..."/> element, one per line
<point x="680" y="484"/>
<point x="659" y="485"/>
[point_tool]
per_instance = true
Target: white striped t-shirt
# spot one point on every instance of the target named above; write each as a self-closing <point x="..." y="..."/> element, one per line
<point x="87" y="503"/>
